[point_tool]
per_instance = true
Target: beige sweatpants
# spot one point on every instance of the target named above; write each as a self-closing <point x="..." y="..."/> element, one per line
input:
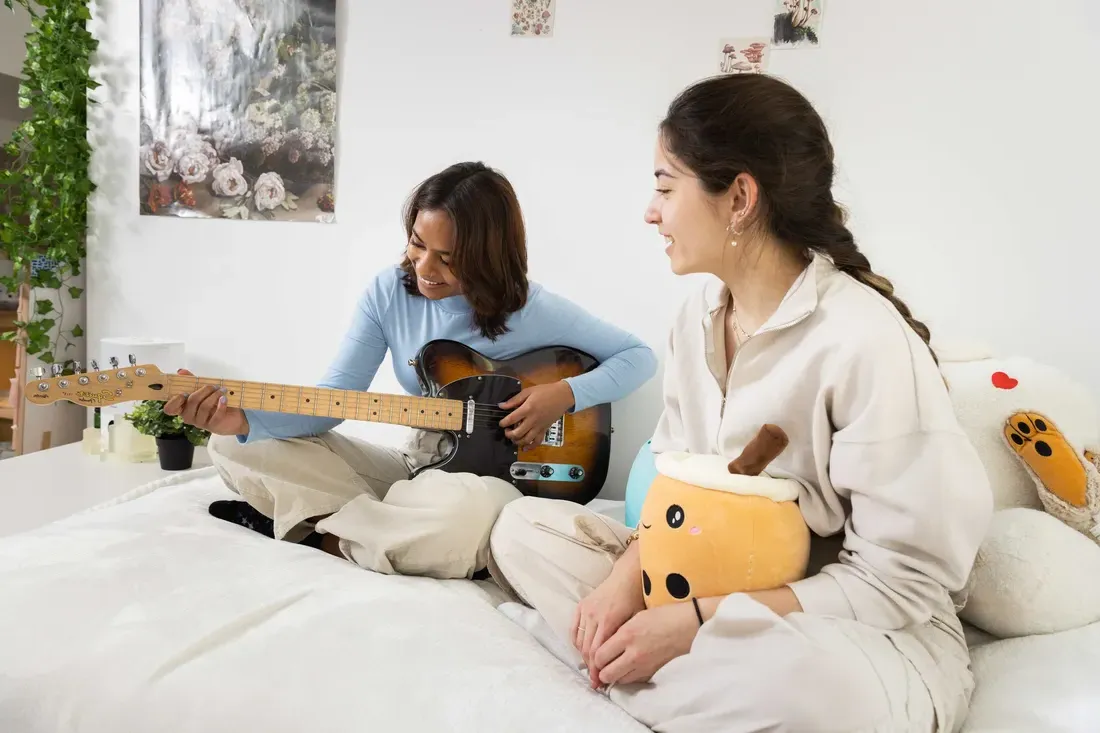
<point x="435" y="525"/>
<point x="748" y="670"/>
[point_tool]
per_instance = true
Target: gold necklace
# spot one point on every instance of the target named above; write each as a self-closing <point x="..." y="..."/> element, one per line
<point x="741" y="334"/>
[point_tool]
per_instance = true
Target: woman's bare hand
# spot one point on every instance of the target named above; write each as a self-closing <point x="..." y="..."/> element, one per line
<point x="206" y="409"/>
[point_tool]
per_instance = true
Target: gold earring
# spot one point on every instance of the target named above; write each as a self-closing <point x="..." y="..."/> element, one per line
<point x="732" y="229"/>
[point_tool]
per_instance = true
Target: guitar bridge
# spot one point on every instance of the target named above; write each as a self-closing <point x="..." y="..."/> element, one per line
<point x="555" y="434"/>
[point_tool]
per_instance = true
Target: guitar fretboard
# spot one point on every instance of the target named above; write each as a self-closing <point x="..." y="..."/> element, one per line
<point x="416" y="412"/>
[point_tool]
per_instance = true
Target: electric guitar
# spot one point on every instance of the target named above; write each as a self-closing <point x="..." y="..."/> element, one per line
<point x="462" y="389"/>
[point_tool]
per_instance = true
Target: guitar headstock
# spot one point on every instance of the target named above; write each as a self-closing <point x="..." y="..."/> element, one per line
<point x="99" y="388"/>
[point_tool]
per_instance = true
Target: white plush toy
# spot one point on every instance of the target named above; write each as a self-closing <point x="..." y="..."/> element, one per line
<point x="1038" y="434"/>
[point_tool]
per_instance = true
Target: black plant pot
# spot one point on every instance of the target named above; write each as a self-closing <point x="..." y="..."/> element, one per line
<point x="176" y="452"/>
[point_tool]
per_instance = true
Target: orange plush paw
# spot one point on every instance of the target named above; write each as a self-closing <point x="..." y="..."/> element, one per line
<point x="1049" y="455"/>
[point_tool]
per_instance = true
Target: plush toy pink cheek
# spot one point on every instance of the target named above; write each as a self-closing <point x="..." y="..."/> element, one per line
<point x="695" y="530"/>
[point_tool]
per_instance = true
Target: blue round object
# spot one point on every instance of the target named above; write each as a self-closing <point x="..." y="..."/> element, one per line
<point x="642" y="473"/>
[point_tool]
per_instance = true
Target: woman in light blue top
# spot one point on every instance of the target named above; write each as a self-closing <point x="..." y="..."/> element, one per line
<point x="463" y="278"/>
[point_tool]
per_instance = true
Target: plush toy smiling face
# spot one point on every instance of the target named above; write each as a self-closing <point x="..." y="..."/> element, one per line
<point x="705" y="532"/>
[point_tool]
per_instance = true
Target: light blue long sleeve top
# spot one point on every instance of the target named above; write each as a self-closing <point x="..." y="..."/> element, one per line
<point x="387" y="317"/>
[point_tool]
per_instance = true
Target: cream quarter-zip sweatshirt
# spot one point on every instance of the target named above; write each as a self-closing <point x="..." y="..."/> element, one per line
<point x="874" y="441"/>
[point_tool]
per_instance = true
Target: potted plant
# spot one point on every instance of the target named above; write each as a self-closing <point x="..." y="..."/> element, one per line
<point x="176" y="440"/>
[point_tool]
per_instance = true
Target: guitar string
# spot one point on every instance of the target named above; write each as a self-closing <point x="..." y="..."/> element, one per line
<point x="486" y="409"/>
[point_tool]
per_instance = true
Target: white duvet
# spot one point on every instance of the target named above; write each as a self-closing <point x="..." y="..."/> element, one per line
<point x="149" y="615"/>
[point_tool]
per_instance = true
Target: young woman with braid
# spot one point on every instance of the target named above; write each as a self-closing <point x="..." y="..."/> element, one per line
<point x="795" y="329"/>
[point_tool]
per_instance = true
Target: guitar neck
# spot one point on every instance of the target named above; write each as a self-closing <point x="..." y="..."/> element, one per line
<point x="428" y="413"/>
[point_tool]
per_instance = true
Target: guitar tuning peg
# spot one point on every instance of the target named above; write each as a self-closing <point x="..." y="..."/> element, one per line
<point x="114" y="362"/>
<point x="55" y="370"/>
<point x="78" y="367"/>
<point x="39" y="373"/>
<point x="133" y="360"/>
<point x="95" y="365"/>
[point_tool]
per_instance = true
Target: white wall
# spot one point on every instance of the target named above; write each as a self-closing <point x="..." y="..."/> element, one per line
<point x="968" y="171"/>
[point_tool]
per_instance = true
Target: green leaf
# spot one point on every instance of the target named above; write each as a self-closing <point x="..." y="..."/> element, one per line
<point x="77" y="331"/>
<point x="43" y="307"/>
<point x="49" y="279"/>
<point x="37" y="344"/>
<point x="47" y="357"/>
<point x="75" y="292"/>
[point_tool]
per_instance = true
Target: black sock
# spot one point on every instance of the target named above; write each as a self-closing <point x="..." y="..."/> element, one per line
<point x="313" y="539"/>
<point x="242" y="513"/>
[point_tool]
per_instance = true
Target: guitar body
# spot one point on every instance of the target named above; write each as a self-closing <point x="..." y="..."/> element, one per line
<point x="572" y="460"/>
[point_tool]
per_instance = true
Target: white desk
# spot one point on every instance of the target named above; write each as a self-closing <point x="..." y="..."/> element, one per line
<point x="42" y="487"/>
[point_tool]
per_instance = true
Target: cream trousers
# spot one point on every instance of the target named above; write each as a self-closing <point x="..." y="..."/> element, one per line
<point x="748" y="670"/>
<point x="434" y="525"/>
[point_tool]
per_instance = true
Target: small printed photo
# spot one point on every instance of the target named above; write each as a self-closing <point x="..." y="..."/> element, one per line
<point x="744" y="55"/>
<point x="533" y="18"/>
<point x="797" y="23"/>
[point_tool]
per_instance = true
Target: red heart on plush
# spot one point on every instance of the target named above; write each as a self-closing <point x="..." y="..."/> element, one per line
<point x="1003" y="381"/>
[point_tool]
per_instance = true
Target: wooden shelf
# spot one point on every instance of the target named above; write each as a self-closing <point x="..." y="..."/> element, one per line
<point x="12" y="364"/>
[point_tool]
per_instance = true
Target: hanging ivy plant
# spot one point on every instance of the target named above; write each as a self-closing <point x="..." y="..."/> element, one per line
<point x="43" y="221"/>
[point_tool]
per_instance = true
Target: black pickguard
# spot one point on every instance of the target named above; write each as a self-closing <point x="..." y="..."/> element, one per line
<point x="486" y="451"/>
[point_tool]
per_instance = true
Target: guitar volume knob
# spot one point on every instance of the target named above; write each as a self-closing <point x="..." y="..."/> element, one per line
<point x="547" y="471"/>
<point x="575" y="472"/>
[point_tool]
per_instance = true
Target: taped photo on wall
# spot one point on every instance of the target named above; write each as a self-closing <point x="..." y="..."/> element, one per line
<point x="797" y="23"/>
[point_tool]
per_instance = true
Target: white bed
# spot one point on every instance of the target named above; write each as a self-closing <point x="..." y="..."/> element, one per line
<point x="149" y="615"/>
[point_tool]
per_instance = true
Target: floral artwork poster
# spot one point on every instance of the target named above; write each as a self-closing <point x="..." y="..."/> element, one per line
<point x="238" y="109"/>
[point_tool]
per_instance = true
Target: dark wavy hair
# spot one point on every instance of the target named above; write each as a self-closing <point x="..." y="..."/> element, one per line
<point x="753" y="123"/>
<point x="490" y="249"/>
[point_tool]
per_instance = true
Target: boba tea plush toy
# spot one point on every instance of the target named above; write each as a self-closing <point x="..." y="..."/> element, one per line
<point x="711" y="527"/>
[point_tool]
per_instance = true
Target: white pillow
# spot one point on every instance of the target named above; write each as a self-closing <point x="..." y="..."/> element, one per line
<point x="1033" y="575"/>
